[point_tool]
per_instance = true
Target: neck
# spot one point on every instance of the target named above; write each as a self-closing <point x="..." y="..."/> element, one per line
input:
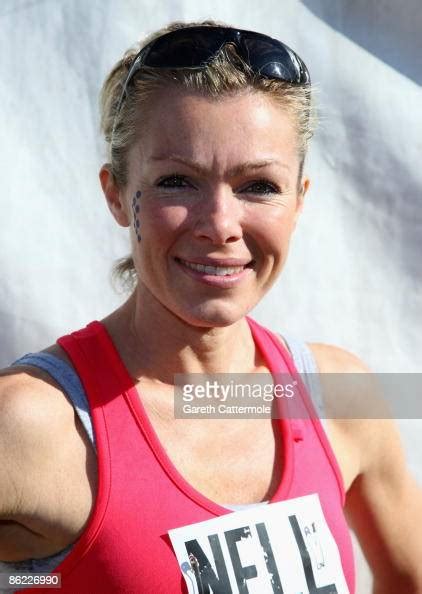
<point x="155" y="343"/>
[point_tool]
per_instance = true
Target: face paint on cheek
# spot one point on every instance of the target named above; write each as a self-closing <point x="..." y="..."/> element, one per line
<point x="135" y="211"/>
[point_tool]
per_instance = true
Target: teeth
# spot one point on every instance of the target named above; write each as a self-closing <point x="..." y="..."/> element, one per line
<point x="217" y="270"/>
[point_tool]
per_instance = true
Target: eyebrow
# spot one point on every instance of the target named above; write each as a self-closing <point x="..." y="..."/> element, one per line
<point x="237" y="170"/>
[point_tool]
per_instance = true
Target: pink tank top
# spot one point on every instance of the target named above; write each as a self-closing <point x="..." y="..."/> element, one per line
<point x="125" y="548"/>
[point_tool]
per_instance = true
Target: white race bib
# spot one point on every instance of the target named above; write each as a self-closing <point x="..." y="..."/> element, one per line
<point x="279" y="548"/>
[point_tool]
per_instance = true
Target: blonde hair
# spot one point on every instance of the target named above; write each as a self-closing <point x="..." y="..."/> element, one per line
<point x="227" y="74"/>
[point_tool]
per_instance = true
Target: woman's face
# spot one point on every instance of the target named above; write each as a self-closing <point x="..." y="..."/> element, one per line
<point x="212" y="182"/>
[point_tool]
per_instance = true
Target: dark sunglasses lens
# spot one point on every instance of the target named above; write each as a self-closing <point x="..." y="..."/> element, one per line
<point x="184" y="50"/>
<point x="274" y="60"/>
<point x="191" y="48"/>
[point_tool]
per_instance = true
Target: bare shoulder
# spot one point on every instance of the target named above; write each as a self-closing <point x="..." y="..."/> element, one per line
<point x="358" y="415"/>
<point x="31" y="399"/>
<point x="33" y="413"/>
<point x="30" y="395"/>
<point x="348" y="385"/>
<point x="334" y="359"/>
<point x="47" y="466"/>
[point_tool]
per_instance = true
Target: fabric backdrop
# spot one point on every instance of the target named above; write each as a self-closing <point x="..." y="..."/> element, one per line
<point x="353" y="277"/>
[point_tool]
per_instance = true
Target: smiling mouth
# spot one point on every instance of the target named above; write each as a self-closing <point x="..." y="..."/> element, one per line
<point x="216" y="270"/>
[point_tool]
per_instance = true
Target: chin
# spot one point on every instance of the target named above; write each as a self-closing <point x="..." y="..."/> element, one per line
<point x="218" y="315"/>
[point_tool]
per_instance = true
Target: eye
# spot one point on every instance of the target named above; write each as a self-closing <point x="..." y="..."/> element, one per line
<point x="172" y="181"/>
<point x="261" y="186"/>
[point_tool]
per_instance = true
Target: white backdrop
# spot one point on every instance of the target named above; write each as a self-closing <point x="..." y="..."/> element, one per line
<point x="354" y="273"/>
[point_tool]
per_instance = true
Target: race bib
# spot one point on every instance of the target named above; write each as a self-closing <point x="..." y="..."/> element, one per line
<point x="279" y="548"/>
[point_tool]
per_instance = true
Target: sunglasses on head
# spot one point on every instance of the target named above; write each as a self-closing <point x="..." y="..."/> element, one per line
<point x="195" y="47"/>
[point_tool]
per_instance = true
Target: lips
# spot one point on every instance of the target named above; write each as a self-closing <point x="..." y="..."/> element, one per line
<point x="226" y="267"/>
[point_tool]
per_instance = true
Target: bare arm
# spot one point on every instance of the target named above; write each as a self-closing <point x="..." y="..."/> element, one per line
<point x="20" y="453"/>
<point x="39" y="449"/>
<point x="384" y="502"/>
<point x="384" y="507"/>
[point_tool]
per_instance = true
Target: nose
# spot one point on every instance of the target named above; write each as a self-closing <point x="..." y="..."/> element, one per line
<point x="220" y="217"/>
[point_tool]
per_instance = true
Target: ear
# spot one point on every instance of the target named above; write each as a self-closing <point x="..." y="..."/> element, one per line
<point x="304" y="186"/>
<point x="114" y="196"/>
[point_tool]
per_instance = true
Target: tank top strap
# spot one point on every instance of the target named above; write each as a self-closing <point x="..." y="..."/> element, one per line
<point x="303" y="414"/>
<point x="301" y="405"/>
<point x="91" y="352"/>
<point x="307" y="367"/>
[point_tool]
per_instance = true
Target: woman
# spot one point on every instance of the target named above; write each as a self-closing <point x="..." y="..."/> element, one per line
<point x="207" y="129"/>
